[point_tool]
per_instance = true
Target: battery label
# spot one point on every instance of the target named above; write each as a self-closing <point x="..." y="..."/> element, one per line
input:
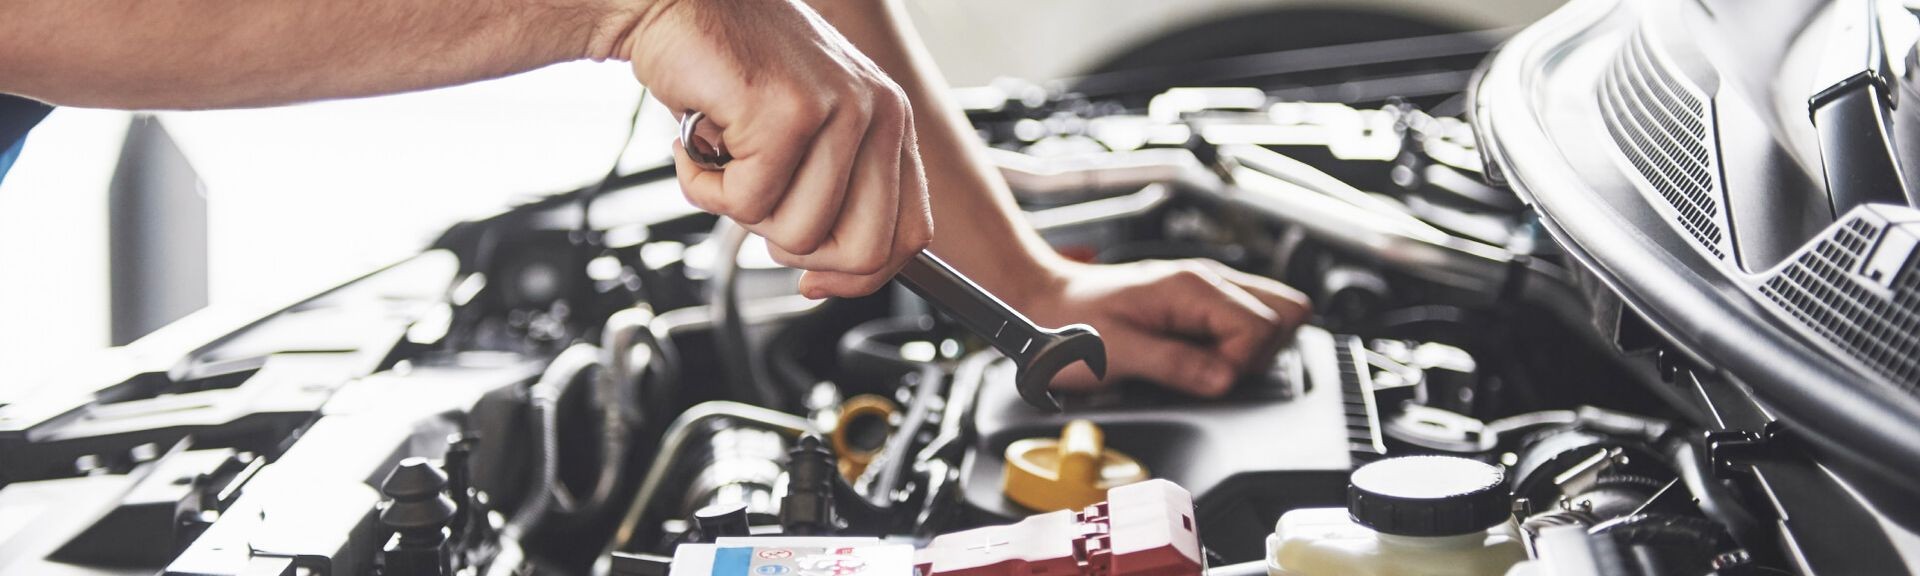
<point x="804" y="561"/>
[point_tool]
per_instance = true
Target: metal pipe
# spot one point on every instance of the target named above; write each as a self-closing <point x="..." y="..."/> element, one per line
<point x="1037" y="178"/>
<point x="674" y="441"/>
<point x="958" y="414"/>
<point x="1339" y="214"/>
<point x="926" y="396"/>
<point x="1281" y="188"/>
<point x="1149" y="198"/>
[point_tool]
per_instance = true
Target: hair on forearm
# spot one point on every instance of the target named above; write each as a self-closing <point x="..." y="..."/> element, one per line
<point x="237" y="53"/>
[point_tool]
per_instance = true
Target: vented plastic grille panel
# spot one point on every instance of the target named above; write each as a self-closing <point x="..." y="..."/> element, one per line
<point x="1364" y="440"/>
<point x="1882" y="331"/>
<point x="1661" y="126"/>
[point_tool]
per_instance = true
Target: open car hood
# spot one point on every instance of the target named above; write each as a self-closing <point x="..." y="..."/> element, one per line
<point x="1705" y="166"/>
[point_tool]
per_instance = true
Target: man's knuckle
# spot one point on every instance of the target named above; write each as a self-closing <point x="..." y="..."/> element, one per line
<point x="901" y="101"/>
<point x="698" y="200"/>
<point x="1192" y="364"/>
<point x="759" y="205"/>
<point x="798" y="241"/>
<point x="784" y="258"/>
<point x="866" y="265"/>
<point x="724" y="205"/>
<point x="867" y="259"/>
<point x="914" y="233"/>
<point x="731" y="208"/>
<point x="906" y="102"/>
<point x="890" y="104"/>
<point x="858" y="104"/>
<point x="748" y="218"/>
<point x="806" y="108"/>
<point x="1188" y="275"/>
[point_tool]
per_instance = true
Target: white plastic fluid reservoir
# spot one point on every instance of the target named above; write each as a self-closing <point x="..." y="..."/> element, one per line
<point x="1408" y="516"/>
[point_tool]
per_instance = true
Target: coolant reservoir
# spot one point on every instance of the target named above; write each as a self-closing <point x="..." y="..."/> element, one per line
<point x="1416" y="515"/>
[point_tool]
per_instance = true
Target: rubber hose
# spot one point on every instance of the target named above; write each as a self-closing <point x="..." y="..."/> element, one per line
<point x="743" y="374"/>
<point x="542" y="401"/>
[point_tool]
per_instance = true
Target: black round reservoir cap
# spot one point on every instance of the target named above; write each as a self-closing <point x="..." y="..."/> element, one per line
<point x="1428" y="496"/>
<point x="718" y="520"/>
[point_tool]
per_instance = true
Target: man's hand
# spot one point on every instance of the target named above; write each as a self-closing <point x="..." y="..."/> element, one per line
<point x="824" y="163"/>
<point x="1191" y="325"/>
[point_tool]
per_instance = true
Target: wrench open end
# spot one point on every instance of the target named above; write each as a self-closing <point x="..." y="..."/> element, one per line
<point x="1062" y="348"/>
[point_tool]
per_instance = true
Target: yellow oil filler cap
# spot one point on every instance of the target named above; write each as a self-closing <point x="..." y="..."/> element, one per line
<point x="1068" y="473"/>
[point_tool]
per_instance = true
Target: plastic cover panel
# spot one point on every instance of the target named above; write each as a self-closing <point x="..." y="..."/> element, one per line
<point x="1840" y="370"/>
<point x="1660" y="124"/>
<point x="1872" y="312"/>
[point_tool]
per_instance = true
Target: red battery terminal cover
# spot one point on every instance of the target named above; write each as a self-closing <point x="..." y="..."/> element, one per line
<point x="1143" y="529"/>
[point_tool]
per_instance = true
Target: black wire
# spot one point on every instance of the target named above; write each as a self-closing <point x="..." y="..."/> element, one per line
<point x="588" y="195"/>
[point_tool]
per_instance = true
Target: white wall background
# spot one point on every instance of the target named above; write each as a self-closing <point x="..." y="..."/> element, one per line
<point x="299" y="198"/>
<point x="304" y="197"/>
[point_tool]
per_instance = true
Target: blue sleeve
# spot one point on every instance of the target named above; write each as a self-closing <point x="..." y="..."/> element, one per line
<point x="7" y="157"/>
<point x="17" y="116"/>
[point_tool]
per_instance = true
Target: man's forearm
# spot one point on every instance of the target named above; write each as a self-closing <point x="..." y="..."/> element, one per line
<point x="977" y="226"/>
<point x="234" y="53"/>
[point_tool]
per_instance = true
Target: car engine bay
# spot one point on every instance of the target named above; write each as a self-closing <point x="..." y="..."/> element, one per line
<point x="603" y="380"/>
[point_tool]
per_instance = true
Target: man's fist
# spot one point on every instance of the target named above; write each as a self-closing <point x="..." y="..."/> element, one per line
<point x="1192" y="325"/>
<point x="824" y="163"/>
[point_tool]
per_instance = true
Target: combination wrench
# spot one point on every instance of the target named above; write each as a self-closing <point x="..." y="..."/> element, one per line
<point x="1038" y="353"/>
